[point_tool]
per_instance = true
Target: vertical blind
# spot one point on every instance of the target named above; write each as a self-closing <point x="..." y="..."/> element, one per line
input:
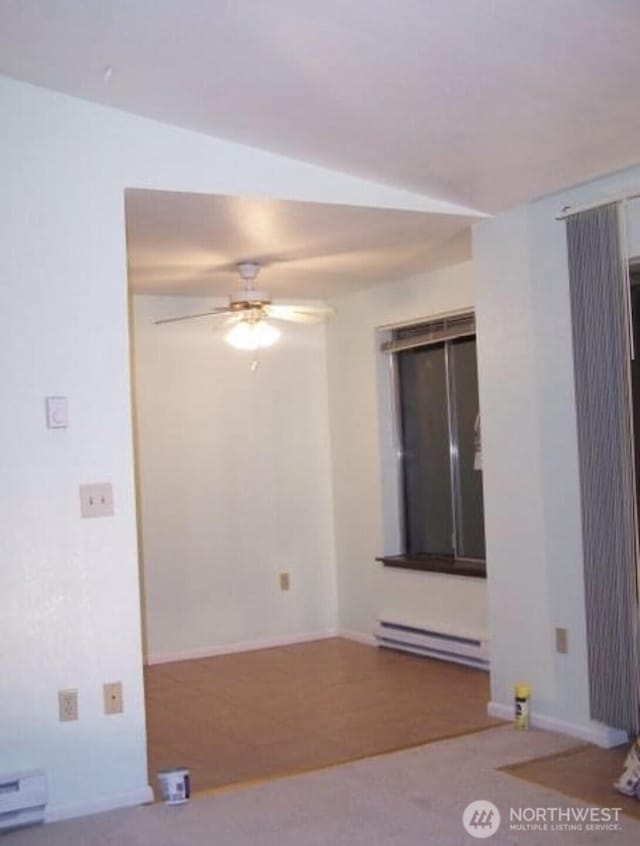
<point x="600" y="328"/>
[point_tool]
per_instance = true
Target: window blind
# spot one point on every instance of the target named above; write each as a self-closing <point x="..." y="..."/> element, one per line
<point x="431" y="332"/>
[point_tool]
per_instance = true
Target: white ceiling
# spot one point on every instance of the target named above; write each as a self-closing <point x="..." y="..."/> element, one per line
<point x="190" y="244"/>
<point x="484" y="103"/>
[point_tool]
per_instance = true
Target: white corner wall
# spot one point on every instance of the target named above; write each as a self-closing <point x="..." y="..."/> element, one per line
<point x="69" y="588"/>
<point x="366" y="588"/>
<point x="234" y="484"/>
<point x="532" y="501"/>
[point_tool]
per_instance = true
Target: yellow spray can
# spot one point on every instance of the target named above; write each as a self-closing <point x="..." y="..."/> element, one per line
<point x="522" y="702"/>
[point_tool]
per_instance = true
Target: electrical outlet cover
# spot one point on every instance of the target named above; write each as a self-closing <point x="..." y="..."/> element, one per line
<point x="285" y="582"/>
<point x="113" y="703"/>
<point x="96" y="500"/>
<point x="67" y="705"/>
<point x="562" y="641"/>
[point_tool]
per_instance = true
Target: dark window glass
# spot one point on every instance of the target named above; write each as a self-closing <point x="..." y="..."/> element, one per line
<point x="470" y="509"/>
<point x="441" y="457"/>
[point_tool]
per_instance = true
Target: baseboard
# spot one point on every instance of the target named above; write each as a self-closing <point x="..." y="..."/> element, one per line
<point x="238" y="646"/>
<point x="596" y="733"/>
<point x="360" y="637"/>
<point x="111" y="802"/>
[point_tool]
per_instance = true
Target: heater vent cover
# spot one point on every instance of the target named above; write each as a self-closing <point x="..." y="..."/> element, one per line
<point x="23" y="797"/>
<point x="434" y="642"/>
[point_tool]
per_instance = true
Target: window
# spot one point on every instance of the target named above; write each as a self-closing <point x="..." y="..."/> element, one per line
<point x="437" y="434"/>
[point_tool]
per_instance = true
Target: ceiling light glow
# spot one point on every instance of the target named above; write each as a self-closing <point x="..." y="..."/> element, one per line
<point x="252" y="335"/>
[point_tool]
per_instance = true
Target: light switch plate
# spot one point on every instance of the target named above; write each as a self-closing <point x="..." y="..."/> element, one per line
<point x="57" y="413"/>
<point x="96" y="500"/>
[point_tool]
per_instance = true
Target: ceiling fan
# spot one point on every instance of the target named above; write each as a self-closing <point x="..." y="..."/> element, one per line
<point x="248" y="309"/>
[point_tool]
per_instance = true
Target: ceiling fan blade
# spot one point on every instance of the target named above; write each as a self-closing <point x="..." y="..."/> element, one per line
<point x="230" y="321"/>
<point x="298" y="313"/>
<point x="214" y="312"/>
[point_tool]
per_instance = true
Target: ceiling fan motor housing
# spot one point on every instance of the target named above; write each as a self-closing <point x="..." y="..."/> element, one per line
<point x="248" y="298"/>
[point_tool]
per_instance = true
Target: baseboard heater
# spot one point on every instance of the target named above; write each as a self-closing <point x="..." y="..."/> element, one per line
<point x="23" y="797"/>
<point x="434" y="643"/>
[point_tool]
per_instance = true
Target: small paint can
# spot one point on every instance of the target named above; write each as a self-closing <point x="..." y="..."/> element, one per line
<point x="175" y="785"/>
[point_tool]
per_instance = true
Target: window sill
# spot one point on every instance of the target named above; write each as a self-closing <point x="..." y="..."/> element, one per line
<point x="437" y="564"/>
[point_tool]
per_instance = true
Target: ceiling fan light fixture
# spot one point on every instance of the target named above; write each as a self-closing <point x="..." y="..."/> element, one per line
<point x="252" y="335"/>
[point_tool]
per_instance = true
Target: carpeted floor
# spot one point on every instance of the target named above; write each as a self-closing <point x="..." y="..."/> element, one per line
<point x="246" y="716"/>
<point x="410" y="798"/>
<point x="586" y="773"/>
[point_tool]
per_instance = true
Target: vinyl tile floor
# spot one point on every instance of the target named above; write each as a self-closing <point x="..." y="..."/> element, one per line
<point x="586" y="773"/>
<point x="253" y="715"/>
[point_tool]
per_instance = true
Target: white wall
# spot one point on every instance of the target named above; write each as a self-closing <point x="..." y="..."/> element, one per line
<point x="366" y="588"/>
<point x="69" y="588"/>
<point x="234" y="481"/>
<point x="532" y="504"/>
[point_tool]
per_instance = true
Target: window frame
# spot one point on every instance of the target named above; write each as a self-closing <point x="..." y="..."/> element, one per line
<point x="389" y="344"/>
